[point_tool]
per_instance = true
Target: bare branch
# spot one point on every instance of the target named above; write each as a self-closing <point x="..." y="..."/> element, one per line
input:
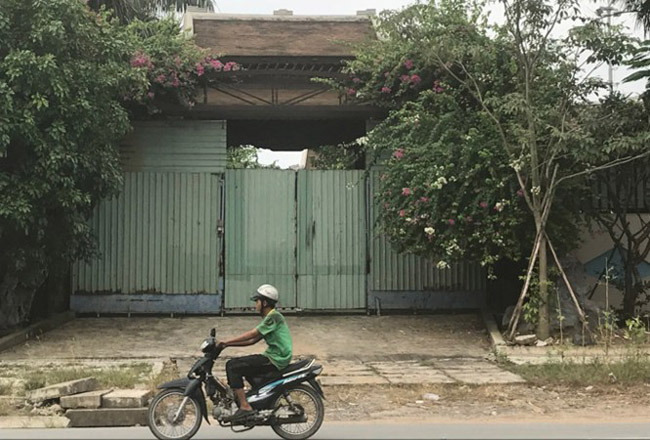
<point x="612" y="164"/>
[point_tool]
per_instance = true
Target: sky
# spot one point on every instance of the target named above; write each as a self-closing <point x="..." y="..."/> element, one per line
<point x="350" y="7"/>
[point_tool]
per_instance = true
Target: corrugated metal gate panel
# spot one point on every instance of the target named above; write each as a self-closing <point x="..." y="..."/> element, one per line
<point x="175" y="146"/>
<point x="260" y="234"/>
<point x="159" y="236"/>
<point x="392" y="271"/>
<point x="331" y="239"/>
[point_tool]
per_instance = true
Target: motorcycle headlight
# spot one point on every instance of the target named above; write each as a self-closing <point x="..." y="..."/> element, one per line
<point x="205" y="344"/>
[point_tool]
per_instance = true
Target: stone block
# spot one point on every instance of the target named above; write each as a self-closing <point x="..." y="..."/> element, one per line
<point x="126" y="399"/>
<point x="92" y="418"/>
<point x="91" y="399"/>
<point x="62" y="389"/>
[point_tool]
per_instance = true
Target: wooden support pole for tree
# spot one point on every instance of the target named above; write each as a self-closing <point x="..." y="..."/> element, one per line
<point x="581" y="314"/>
<point x="514" y="320"/>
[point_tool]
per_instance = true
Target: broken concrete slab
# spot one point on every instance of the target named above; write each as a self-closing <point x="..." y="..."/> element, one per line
<point x="126" y="399"/>
<point x="91" y="399"/>
<point x="62" y="389"/>
<point x="93" y="418"/>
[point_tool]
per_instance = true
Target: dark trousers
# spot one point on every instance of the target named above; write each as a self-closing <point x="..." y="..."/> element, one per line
<point x="247" y="366"/>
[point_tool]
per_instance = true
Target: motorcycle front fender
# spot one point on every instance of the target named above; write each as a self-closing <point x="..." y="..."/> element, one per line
<point x="192" y="388"/>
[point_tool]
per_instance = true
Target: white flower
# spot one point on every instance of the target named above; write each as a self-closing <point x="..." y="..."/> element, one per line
<point x="439" y="183"/>
<point x="408" y="219"/>
<point x="362" y="141"/>
<point x="429" y="230"/>
<point x="442" y="264"/>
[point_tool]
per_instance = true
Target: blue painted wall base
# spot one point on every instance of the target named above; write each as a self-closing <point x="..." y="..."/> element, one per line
<point x="407" y="300"/>
<point x="183" y="304"/>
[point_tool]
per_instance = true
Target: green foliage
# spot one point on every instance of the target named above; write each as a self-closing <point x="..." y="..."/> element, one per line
<point x="635" y="330"/>
<point x="174" y="66"/>
<point x="346" y="156"/>
<point x="130" y="10"/>
<point x="245" y="156"/>
<point x="63" y="73"/>
<point x="431" y="203"/>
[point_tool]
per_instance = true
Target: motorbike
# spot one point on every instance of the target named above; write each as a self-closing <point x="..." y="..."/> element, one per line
<point x="290" y="401"/>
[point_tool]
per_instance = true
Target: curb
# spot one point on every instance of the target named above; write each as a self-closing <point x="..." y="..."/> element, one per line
<point x="493" y="330"/>
<point x="22" y="335"/>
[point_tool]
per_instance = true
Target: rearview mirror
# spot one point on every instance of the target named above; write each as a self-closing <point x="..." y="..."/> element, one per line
<point x="213" y="332"/>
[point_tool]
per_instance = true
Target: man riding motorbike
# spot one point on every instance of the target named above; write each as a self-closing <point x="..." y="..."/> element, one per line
<point x="275" y="332"/>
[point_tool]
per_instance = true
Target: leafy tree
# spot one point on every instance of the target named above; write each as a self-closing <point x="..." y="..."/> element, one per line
<point x="63" y="73"/>
<point x="515" y="87"/>
<point x="621" y="193"/>
<point x="130" y="10"/>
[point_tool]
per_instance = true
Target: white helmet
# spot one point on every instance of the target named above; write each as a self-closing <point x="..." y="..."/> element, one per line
<point x="267" y="291"/>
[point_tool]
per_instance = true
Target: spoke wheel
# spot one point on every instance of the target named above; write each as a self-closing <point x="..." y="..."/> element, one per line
<point x="163" y="421"/>
<point x="304" y="399"/>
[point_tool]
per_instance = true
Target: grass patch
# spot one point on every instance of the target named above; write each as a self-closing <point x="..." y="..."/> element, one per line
<point x="629" y="371"/>
<point x="122" y="376"/>
<point x="166" y="374"/>
<point x="5" y="389"/>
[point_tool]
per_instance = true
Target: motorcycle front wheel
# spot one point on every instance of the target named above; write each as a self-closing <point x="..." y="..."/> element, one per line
<point x="307" y="400"/>
<point x="168" y="421"/>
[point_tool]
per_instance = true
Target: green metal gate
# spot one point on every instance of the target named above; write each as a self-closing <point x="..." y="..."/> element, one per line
<point x="303" y="232"/>
<point x="331" y="240"/>
<point x="260" y="234"/>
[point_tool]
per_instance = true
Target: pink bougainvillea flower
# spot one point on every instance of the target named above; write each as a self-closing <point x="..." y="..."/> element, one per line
<point x="405" y="78"/>
<point x="406" y="191"/>
<point x="483" y="204"/>
<point x="351" y="91"/>
<point x="468" y="218"/>
<point x="216" y="65"/>
<point x="398" y="153"/>
<point x="200" y="70"/>
<point x="402" y="213"/>
<point x="424" y="199"/>
<point x="451" y="221"/>
<point x="520" y="192"/>
<point x="415" y="79"/>
<point x="150" y="95"/>
<point x="176" y="82"/>
<point x="385" y="89"/>
<point x="161" y="78"/>
<point x="141" y="60"/>
<point x="408" y="64"/>
<point x="356" y="80"/>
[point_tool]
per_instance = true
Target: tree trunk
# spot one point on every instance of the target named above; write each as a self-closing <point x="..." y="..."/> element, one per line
<point x="629" y="288"/>
<point x="15" y="302"/>
<point x="543" y="331"/>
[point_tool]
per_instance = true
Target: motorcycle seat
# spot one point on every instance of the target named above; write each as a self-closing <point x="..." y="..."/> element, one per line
<point x="287" y="371"/>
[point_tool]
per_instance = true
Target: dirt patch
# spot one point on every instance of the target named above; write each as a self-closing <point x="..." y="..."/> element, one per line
<point x="326" y="337"/>
<point x="466" y="402"/>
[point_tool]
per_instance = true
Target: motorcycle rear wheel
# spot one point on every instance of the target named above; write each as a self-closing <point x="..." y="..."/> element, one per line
<point x="163" y="409"/>
<point x="311" y="403"/>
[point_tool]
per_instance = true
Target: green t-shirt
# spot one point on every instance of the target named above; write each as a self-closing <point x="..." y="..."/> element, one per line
<point x="276" y="334"/>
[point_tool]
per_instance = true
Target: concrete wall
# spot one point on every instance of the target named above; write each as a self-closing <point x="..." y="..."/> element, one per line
<point x="595" y="251"/>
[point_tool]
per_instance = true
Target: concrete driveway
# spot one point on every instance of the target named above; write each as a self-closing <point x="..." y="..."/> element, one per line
<point x="354" y="349"/>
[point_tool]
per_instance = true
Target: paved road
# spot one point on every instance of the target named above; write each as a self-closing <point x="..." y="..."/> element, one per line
<point x="619" y="430"/>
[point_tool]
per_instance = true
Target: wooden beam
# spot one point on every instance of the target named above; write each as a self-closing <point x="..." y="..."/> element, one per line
<point x="269" y="112"/>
